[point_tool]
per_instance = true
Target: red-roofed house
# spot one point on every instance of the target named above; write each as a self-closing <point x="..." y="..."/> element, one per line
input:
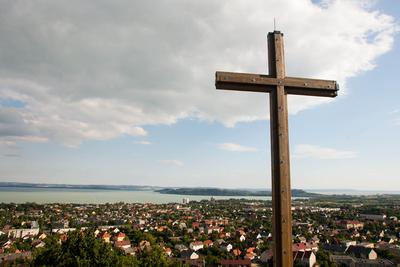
<point x="250" y="256"/>
<point x="168" y="251"/>
<point x="208" y="243"/>
<point x="237" y="252"/>
<point x="120" y="236"/>
<point x="195" y="225"/>
<point x="106" y="237"/>
<point x="124" y="244"/>
<point x="250" y="250"/>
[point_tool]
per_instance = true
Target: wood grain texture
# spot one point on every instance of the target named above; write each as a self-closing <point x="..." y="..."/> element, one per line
<point x="266" y="83"/>
<point x="280" y="160"/>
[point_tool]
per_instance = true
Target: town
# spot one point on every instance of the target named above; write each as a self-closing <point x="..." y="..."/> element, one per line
<point x="327" y="231"/>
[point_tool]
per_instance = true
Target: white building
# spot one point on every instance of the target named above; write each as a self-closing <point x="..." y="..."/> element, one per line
<point x="196" y="245"/>
<point x="20" y="233"/>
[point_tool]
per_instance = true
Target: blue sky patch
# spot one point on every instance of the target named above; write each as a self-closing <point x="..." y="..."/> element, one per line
<point x="11" y="103"/>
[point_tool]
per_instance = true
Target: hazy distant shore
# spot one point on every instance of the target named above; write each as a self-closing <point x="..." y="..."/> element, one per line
<point x="195" y="191"/>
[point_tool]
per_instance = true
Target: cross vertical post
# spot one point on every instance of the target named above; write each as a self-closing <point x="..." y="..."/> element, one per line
<point x="278" y="86"/>
<point x="280" y="162"/>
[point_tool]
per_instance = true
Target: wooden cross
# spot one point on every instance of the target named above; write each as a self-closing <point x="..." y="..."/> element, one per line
<point x="278" y="86"/>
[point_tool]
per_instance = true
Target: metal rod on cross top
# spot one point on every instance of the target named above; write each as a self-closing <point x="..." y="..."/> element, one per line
<point x="278" y="86"/>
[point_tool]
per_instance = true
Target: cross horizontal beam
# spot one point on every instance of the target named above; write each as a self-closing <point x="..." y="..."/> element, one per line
<point x="266" y="83"/>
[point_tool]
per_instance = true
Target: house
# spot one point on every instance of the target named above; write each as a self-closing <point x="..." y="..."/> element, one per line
<point x="235" y="263"/>
<point x="390" y="239"/>
<point x="144" y="245"/>
<point x="220" y="241"/>
<point x="63" y="237"/>
<point x="20" y="233"/>
<point x="196" y="245"/>
<point x="366" y="244"/>
<point x="305" y="258"/>
<point x="302" y="239"/>
<point x="348" y="224"/>
<point x="237" y="252"/>
<point x="195" y="225"/>
<point x="315" y="239"/>
<point x="348" y="243"/>
<point x="250" y="256"/>
<point x="362" y="252"/>
<point x="299" y="247"/>
<point x="381" y="245"/>
<point x="208" y="243"/>
<point x="191" y="255"/>
<point x="42" y="236"/>
<point x="38" y="243"/>
<point x="227" y="247"/>
<point x="123" y="244"/>
<point x="194" y="256"/>
<point x="96" y="232"/>
<point x="120" y="236"/>
<point x="105" y="237"/>
<point x="250" y="250"/>
<point x="164" y="228"/>
<point x="211" y="229"/>
<point x="168" y="251"/>
<point x="342" y="260"/>
<point x="129" y="251"/>
<point x="7" y="244"/>
<point x="64" y="230"/>
<point x="266" y="256"/>
<point x="180" y="247"/>
<point x="34" y="224"/>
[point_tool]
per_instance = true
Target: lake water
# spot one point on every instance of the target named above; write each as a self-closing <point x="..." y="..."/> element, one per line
<point x="81" y="196"/>
<point x="95" y="196"/>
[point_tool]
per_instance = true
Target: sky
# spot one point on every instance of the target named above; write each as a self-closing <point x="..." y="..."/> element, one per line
<point x="122" y="92"/>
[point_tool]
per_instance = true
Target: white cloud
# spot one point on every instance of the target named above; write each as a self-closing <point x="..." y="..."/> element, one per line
<point x="172" y="162"/>
<point x="142" y="142"/>
<point x="318" y="152"/>
<point x="236" y="147"/>
<point x="99" y="70"/>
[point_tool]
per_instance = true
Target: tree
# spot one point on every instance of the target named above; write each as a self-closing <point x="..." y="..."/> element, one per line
<point x="80" y="249"/>
<point x="323" y="258"/>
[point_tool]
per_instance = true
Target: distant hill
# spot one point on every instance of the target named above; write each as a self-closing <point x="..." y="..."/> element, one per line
<point x="79" y="186"/>
<point x="229" y="192"/>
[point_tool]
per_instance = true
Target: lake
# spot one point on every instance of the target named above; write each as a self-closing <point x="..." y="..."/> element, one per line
<point x="95" y="196"/>
<point x="81" y="196"/>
